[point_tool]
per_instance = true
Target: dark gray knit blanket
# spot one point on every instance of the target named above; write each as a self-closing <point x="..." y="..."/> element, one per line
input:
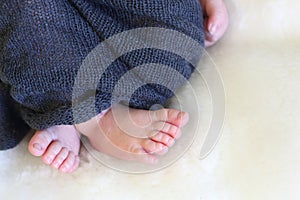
<point x="44" y="42"/>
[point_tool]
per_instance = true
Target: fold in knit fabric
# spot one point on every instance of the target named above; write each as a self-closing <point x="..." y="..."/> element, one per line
<point x="43" y="44"/>
<point x="12" y="127"/>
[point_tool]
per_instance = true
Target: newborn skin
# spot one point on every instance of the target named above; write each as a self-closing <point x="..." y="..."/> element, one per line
<point x="215" y="20"/>
<point x="144" y="137"/>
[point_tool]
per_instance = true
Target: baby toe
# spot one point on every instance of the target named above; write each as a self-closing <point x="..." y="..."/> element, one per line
<point x="162" y="152"/>
<point x="153" y="147"/>
<point x="172" y="116"/>
<point x="144" y="157"/>
<point x="76" y="164"/>
<point x="53" y="149"/>
<point x="163" y="138"/>
<point x="67" y="165"/>
<point x="167" y="128"/>
<point x="60" y="157"/>
<point x="39" y="142"/>
<point x="177" y="134"/>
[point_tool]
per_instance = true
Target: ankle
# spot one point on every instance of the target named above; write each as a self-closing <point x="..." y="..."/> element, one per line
<point x="87" y="127"/>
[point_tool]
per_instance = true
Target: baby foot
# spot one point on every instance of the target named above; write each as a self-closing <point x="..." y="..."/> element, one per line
<point x="132" y="134"/>
<point x="215" y="20"/>
<point x="58" y="146"/>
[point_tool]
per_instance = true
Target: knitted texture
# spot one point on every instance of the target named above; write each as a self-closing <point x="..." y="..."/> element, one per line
<point x="12" y="127"/>
<point x="43" y="44"/>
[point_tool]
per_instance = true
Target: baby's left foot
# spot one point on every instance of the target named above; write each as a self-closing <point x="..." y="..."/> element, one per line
<point x="58" y="146"/>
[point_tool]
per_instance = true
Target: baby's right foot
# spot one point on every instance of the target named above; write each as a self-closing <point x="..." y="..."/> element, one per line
<point x="140" y="135"/>
<point x="58" y="146"/>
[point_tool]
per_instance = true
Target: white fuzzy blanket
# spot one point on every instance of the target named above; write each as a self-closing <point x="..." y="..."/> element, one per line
<point x="257" y="156"/>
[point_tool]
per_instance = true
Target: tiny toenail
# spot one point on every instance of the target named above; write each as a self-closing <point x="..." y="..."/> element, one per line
<point x="171" y="142"/>
<point x="37" y="146"/>
<point x="212" y="29"/>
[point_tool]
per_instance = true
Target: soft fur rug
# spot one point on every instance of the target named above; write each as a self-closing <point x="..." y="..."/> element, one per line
<point x="257" y="156"/>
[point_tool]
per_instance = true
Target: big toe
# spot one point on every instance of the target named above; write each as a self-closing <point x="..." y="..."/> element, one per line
<point x="153" y="147"/>
<point x="39" y="142"/>
<point x="167" y="128"/>
<point x="172" y="116"/>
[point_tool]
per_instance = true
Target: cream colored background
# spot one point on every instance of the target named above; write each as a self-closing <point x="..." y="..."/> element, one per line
<point x="257" y="156"/>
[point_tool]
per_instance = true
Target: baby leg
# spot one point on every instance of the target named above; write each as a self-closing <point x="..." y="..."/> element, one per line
<point x="57" y="51"/>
